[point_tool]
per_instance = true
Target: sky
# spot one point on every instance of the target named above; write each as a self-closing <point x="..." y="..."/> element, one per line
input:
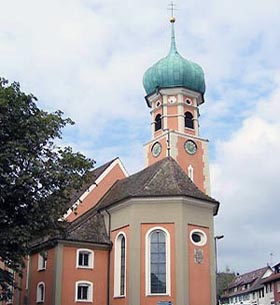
<point x="87" y="58"/>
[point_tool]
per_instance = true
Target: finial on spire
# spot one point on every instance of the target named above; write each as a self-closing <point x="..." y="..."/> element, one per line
<point x="171" y="7"/>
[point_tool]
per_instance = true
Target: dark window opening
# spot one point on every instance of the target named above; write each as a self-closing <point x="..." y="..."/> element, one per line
<point x="84" y="259"/>
<point x="158" y="122"/>
<point x="189" y="120"/>
<point x="41" y="292"/>
<point x="196" y="237"/>
<point x="82" y="292"/>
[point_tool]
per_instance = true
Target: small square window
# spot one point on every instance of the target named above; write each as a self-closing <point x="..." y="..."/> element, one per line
<point x="83" y="291"/>
<point x="84" y="258"/>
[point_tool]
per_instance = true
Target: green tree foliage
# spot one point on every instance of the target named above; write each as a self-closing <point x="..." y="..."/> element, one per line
<point x="36" y="176"/>
<point x="223" y="280"/>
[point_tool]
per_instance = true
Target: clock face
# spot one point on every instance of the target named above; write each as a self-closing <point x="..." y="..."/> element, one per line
<point x="190" y="147"/>
<point x="156" y="149"/>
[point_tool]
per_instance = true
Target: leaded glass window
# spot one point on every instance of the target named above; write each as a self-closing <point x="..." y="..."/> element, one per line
<point x="122" y="273"/>
<point x="158" y="262"/>
<point x="120" y="265"/>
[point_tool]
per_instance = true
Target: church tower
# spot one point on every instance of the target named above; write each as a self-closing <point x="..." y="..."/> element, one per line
<point x="146" y="238"/>
<point x="175" y="89"/>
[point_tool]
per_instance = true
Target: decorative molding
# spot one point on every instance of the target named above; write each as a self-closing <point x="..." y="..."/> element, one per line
<point x="206" y="172"/>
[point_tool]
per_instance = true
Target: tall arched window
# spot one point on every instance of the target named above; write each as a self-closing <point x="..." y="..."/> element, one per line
<point x="158" y="122"/>
<point x="189" y="120"/>
<point x="40" y="293"/>
<point x="120" y="265"/>
<point x="158" y="261"/>
<point x="122" y="273"/>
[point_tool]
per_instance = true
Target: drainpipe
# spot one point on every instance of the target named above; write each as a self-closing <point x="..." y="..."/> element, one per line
<point x="168" y="142"/>
<point x="109" y="260"/>
<point x="164" y="127"/>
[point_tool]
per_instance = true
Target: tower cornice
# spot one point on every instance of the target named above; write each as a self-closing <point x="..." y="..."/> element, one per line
<point x="173" y="91"/>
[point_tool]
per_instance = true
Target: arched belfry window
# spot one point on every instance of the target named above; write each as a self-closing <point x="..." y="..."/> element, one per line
<point x="158" y="122"/>
<point x="157" y="261"/>
<point x="120" y="265"/>
<point x="189" y="120"/>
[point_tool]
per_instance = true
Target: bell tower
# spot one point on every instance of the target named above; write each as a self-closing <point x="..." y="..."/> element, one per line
<point x="175" y="89"/>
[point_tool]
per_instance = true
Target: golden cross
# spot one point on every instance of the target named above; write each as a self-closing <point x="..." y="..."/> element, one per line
<point x="171" y="7"/>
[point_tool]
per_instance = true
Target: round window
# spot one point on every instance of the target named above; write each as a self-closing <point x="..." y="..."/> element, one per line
<point x="188" y="101"/>
<point x="198" y="237"/>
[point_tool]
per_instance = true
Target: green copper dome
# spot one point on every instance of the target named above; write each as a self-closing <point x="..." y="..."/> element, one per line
<point x="174" y="71"/>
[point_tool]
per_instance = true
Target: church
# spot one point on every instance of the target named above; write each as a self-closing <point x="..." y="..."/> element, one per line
<point x="146" y="238"/>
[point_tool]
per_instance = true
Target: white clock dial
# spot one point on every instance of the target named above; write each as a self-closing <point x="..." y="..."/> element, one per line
<point x="190" y="147"/>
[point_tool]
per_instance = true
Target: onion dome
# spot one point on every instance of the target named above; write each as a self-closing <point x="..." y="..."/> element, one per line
<point x="174" y="71"/>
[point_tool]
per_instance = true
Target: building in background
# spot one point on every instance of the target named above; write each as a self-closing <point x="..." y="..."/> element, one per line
<point x="258" y="287"/>
<point x="142" y="239"/>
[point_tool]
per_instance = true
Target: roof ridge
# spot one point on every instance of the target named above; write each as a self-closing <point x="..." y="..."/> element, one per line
<point x="174" y="166"/>
<point x="107" y="164"/>
<point x="256" y="270"/>
<point x="156" y="173"/>
<point x="190" y="180"/>
<point x="149" y="179"/>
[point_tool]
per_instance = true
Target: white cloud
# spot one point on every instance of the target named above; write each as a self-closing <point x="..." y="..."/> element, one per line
<point x="245" y="178"/>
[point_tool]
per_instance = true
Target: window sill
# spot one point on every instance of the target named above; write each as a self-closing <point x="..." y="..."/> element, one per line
<point x="158" y="295"/>
<point x="84" y="267"/>
<point x="119" y="296"/>
<point x="41" y="269"/>
<point x="83" y="301"/>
